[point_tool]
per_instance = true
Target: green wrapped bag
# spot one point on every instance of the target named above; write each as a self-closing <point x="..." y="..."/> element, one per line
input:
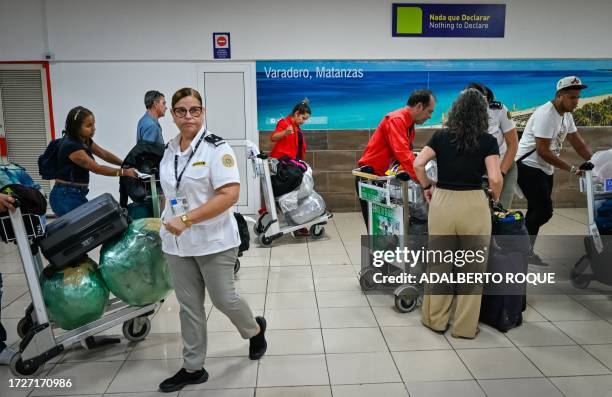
<point x="75" y="296"/>
<point x="134" y="267"/>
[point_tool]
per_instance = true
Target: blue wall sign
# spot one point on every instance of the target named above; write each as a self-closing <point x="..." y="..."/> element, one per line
<point x="221" y="46"/>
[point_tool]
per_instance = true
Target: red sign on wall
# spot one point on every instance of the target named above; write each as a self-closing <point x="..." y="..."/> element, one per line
<point x="221" y="46"/>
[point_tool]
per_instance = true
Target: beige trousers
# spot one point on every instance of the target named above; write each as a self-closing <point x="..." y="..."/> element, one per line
<point x="466" y="215"/>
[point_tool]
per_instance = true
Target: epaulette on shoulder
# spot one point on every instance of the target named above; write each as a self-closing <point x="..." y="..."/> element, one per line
<point x="214" y="140"/>
<point x="495" y="105"/>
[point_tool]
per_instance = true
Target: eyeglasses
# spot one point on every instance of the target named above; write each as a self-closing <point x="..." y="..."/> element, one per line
<point x="195" y="111"/>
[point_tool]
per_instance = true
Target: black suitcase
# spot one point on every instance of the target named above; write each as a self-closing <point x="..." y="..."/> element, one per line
<point x="503" y="304"/>
<point x="83" y="229"/>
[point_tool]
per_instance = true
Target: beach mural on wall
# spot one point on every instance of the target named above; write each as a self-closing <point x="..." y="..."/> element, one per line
<point x="355" y="95"/>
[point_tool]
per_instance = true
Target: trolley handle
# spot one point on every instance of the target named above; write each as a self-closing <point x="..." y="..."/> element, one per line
<point x="374" y="177"/>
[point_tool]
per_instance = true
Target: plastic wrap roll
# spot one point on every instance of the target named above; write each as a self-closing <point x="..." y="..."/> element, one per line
<point x="75" y="296"/>
<point x="134" y="266"/>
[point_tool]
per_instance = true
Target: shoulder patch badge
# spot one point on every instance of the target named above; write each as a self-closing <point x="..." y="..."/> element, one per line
<point x="227" y="160"/>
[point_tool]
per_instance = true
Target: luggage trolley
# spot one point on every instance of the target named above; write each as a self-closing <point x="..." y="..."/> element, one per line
<point x="270" y="226"/>
<point x="39" y="343"/>
<point x="597" y="252"/>
<point x="388" y="215"/>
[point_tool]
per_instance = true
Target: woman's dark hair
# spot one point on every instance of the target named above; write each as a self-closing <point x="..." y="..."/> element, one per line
<point x="74" y="121"/>
<point x="185" y="92"/>
<point x="302" y="107"/>
<point x="467" y="119"/>
<point x="483" y="89"/>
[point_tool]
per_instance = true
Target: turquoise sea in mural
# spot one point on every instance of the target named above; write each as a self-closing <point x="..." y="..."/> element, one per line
<point x="357" y="94"/>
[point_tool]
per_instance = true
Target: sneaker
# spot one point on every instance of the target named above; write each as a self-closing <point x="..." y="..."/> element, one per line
<point x="6" y="355"/>
<point x="534" y="259"/>
<point x="258" y="344"/>
<point x="183" y="378"/>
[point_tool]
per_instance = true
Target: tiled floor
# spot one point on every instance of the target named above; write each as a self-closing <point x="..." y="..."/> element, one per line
<point x="326" y="338"/>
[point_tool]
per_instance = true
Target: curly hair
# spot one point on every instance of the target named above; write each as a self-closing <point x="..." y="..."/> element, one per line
<point x="467" y="119"/>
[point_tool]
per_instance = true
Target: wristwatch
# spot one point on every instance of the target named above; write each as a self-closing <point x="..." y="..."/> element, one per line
<point x="572" y="169"/>
<point x="186" y="220"/>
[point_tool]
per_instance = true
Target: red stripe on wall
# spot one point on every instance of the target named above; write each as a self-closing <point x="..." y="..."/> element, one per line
<point x="45" y="66"/>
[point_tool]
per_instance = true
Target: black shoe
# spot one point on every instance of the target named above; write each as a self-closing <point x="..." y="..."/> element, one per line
<point x="535" y="260"/>
<point x="258" y="345"/>
<point x="183" y="378"/>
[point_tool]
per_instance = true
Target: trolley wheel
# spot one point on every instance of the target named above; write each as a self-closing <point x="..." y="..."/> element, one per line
<point x="24" y="325"/>
<point x="264" y="241"/>
<point x="317" y="231"/>
<point x="136" y="335"/>
<point x="236" y="266"/>
<point x="366" y="279"/>
<point x="18" y="368"/>
<point x="579" y="281"/>
<point x="406" y="298"/>
<point x="259" y="228"/>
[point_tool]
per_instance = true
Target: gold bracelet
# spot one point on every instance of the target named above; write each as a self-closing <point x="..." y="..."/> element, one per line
<point x="117" y="173"/>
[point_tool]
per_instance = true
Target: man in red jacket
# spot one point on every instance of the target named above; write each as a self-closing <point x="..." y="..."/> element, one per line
<point x="393" y="139"/>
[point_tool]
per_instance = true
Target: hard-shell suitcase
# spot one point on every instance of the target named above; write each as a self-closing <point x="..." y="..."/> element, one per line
<point x="502" y="305"/>
<point x="83" y="229"/>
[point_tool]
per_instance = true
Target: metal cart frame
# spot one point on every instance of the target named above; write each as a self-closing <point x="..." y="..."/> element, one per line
<point x="39" y="343"/>
<point x="593" y="242"/>
<point x="270" y="226"/>
<point x="394" y="194"/>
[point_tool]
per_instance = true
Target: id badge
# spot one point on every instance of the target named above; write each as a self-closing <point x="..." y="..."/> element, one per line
<point x="179" y="205"/>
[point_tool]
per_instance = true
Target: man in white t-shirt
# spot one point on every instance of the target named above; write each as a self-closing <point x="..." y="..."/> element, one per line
<point x="539" y="151"/>
<point x="503" y="129"/>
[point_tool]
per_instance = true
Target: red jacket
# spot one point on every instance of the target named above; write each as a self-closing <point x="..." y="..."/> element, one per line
<point x="288" y="145"/>
<point x="391" y="141"/>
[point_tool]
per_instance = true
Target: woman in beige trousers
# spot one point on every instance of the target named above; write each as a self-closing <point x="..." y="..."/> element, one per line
<point x="459" y="207"/>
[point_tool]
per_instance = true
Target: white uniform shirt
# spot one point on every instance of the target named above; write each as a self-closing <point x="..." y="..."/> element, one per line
<point x="547" y="123"/>
<point x="210" y="168"/>
<point x="499" y="125"/>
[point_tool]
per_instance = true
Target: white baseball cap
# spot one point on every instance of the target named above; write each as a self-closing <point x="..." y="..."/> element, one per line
<point x="570" y="81"/>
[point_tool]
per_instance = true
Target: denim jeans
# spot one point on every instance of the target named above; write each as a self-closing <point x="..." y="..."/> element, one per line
<point x="64" y="198"/>
<point x="2" y="330"/>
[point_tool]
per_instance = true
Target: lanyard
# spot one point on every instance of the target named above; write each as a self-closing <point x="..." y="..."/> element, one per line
<point x="178" y="176"/>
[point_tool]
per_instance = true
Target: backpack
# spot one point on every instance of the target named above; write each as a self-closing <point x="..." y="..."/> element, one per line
<point x="145" y="157"/>
<point x="243" y="230"/>
<point x="288" y="177"/>
<point x="30" y="199"/>
<point x="48" y="161"/>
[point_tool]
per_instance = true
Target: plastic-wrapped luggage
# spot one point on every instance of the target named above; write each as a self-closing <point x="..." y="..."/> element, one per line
<point x="11" y="173"/>
<point x="76" y="295"/>
<point x="83" y="229"/>
<point x="289" y="201"/>
<point x="134" y="267"/>
<point x="308" y="209"/>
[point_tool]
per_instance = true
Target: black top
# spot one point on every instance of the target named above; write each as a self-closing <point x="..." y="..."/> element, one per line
<point x="461" y="171"/>
<point x="67" y="170"/>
